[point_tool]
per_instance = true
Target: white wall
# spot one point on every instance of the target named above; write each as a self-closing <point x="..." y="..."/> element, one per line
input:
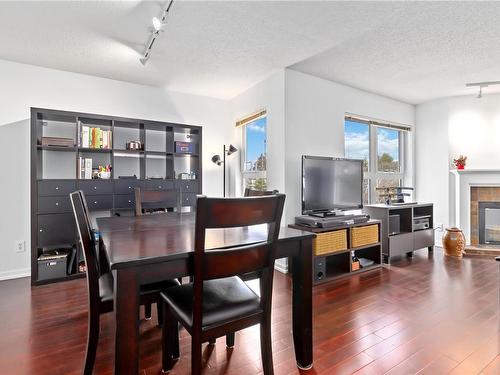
<point x="268" y="94"/>
<point x="431" y="164"/>
<point x="24" y="86"/>
<point x="447" y="128"/>
<point x="315" y="111"/>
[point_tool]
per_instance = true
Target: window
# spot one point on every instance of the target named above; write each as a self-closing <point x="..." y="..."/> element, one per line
<point x="381" y="147"/>
<point x="254" y="153"/>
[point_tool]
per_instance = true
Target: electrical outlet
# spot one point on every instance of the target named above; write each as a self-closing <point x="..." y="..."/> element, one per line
<point x="440" y="227"/>
<point x="20" y="246"/>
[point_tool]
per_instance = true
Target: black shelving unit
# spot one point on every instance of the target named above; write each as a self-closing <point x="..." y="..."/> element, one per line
<point x="54" y="174"/>
<point x="338" y="263"/>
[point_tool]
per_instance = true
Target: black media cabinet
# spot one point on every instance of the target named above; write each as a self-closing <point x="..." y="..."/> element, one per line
<point x="407" y="238"/>
<point x="159" y="165"/>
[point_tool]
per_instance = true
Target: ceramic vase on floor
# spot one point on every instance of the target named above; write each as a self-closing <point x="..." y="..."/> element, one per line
<point x="454" y="242"/>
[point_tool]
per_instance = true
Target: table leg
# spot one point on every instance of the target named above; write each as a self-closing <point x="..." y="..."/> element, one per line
<point x="302" y="305"/>
<point x="126" y="310"/>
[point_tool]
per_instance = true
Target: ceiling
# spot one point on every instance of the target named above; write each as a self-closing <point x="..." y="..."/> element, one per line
<point x="410" y="51"/>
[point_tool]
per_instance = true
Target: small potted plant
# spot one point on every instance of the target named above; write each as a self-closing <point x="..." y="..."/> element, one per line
<point x="460" y="162"/>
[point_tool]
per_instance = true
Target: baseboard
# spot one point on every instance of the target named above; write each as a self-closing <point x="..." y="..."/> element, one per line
<point x="15" y="274"/>
<point x="283" y="268"/>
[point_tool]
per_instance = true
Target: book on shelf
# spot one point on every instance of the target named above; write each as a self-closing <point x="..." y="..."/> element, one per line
<point x="85" y="136"/>
<point x="84" y="168"/>
<point x="90" y="137"/>
<point x="88" y="168"/>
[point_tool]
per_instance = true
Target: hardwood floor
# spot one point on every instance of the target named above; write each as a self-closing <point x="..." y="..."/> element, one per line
<point x="425" y="315"/>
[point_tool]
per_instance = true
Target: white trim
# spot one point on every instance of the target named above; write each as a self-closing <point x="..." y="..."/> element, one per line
<point x="281" y="266"/>
<point x="15" y="274"/>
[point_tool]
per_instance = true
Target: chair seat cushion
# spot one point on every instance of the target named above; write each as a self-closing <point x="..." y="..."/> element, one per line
<point x="106" y="287"/>
<point x="224" y="300"/>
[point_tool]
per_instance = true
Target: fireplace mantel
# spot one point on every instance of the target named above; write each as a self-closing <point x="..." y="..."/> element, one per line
<point x="461" y="182"/>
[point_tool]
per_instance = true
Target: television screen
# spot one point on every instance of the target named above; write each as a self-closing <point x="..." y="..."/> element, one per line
<point x="331" y="184"/>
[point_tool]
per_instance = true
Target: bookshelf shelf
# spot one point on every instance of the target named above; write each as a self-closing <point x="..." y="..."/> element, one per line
<point x="56" y="171"/>
<point x="56" y="148"/>
<point x="97" y="150"/>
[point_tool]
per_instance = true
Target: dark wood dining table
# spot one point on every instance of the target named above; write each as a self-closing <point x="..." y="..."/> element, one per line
<point x="147" y="249"/>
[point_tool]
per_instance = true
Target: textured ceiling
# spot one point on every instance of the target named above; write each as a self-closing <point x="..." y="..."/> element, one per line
<point x="422" y="51"/>
<point x="409" y="51"/>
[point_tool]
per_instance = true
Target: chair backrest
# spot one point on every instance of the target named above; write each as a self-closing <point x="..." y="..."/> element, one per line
<point x="216" y="213"/>
<point x="154" y="200"/>
<point x="87" y="242"/>
<point x="259" y="193"/>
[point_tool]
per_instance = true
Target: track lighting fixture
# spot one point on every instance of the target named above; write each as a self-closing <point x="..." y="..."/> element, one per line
<point x="481" y="85"/>
<point x="158" y="23"/>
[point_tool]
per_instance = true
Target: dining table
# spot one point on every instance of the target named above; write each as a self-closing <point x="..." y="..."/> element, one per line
<point x="146" y="249"/>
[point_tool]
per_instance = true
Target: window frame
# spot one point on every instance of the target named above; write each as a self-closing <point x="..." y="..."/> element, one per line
<point x="373" y="173"/>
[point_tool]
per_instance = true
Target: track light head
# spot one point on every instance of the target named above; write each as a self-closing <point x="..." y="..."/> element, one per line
<point x="157" y="24"/>
<point x="480" y="95"/>
<point x="144" y="59"/>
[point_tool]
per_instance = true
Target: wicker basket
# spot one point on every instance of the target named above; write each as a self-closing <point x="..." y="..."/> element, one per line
<point x="330" y="242"/>
<point x="366" y="235"/>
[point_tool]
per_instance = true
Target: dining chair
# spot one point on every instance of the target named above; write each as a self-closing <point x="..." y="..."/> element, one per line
<point x="99" y="284"/>
<point x="218" y="302"/>
<point x="148" y="201"/>
<point x="259" y="193"/>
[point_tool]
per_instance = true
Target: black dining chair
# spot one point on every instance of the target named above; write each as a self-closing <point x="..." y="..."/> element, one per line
<point x="218" y="302"/>
<point x="259" y="193"/>
<point x="100" y="284"/>
<point x="148" y="201"/>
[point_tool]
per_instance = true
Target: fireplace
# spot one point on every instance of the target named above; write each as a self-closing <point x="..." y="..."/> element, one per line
<point x="489" y="223"/>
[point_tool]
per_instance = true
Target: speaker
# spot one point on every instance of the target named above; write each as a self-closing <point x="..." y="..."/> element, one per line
<point x="319" y="268"/>
<point x="394" y="227"/>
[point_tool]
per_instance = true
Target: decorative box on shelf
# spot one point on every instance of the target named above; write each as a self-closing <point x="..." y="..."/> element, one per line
<point x="184" y="147"/>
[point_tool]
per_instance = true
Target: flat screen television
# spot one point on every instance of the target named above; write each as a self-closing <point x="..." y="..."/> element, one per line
<point x="331" y="184"/>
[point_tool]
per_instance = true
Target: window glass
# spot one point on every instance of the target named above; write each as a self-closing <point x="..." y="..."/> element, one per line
<point x="388" y="150"/>
<point x="255" y="146"/>
<point x="357" y="142"/>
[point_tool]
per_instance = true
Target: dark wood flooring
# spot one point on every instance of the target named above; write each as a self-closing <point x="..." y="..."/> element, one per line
<point x="427" y="315"/>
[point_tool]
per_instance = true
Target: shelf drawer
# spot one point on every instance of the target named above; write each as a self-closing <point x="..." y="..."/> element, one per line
<point x="56" y="187"/>
<point x="365" y="235"/>
<point x="54" y="204"/>
<point x="100" y="202"/>
<point x="400" y="244"/>
<point x="96" y="187"/>
<point x="330" y="242"/>
<point x="187" y="186"/>
<point x="188" y="199"/>
<point x="423" y="238"/>
<point x="125" y="201"/>
<point x="127" y="186"/>
<point x="56" y="230"/>
<point x="159" y="185"/>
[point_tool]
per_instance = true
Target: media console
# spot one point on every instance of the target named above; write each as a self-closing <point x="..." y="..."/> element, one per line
<point x="404" y="229"/>
<point x="333" y="249"/>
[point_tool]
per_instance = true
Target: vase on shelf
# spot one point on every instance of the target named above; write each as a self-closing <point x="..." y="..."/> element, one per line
<point x="454" y="242"/>
<point x="460" y="167"/>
